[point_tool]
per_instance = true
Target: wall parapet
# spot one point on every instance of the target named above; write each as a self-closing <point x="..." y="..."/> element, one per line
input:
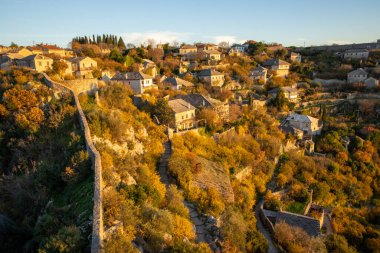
<point x="97" y="219"/>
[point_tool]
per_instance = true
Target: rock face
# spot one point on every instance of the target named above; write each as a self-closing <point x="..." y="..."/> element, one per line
<point x="212" y="175"/>
<point x="130" y="144"/>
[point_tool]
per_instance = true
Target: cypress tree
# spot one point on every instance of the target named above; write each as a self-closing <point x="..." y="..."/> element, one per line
<point x="121" y="43"/>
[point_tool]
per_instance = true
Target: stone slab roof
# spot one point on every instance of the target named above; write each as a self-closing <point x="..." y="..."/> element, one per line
<point x="179" y="105"/>
<point x="308" y="224"/>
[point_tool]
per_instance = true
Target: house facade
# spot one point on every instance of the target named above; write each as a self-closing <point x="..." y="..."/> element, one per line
<point x="357" y="76"/>
<point x="309" y="125"/>
<point x="371" y="82"/>
<point x="211" y="55"/>
<point x="177" y="83"/>
<point x="259" y="74"/>
<point x="289" y="93"/>
<point x="83" y="66"/>
<point x="37" y="62"/>
<point x="138" y="81"/>
<point x="278" y="67"/>
<point x="184" y="114"/>
<point x="358" y="54"/>
<point x="211" y="77"/>
<point x="295" y="57"/>
<point x="200" y="101"/>
<point x="187" y="49"/>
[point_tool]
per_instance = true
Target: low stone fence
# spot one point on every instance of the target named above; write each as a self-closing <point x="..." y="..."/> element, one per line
<point x="97" y="219"/>
<point x="265" y="220"/>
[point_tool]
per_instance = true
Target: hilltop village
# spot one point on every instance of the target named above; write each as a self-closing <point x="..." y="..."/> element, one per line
<point x="196" y="141"/>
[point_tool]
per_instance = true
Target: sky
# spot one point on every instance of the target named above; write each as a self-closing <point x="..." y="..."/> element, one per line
<point x="291" y="22"/>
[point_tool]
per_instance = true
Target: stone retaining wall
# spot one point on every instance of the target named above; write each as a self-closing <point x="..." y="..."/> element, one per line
<point x="83" y="85"/>
<point x="265" y="220"/>
<point x="97" y="220"/>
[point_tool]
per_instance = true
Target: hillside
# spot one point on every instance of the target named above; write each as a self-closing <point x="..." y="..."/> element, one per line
<point x="46" y="182"/>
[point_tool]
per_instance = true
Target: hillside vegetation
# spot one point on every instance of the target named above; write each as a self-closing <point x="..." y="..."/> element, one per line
<point x="138" y="211"/>
<point x="45" y="173"/>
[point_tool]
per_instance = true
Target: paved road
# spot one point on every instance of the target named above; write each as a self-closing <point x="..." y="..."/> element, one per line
<point x="199" y="225"/>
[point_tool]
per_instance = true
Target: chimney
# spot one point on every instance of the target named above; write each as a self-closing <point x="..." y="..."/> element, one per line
<point x="188" y="105"/>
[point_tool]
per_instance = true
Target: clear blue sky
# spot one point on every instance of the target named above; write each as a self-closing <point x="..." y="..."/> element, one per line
<point x="291" y="22"/>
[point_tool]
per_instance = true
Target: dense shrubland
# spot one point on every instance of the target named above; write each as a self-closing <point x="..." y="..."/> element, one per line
<point x="253" y="146"/>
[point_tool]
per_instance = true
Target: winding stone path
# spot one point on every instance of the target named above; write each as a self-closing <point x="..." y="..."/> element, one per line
<point x="260" y="226"/>
<point x="199" y="224"/>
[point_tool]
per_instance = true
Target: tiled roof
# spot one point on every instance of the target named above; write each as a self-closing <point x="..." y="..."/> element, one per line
<point x="178" y="82"/>
<point x="302" y="118"/>
<point x="131" y="76"/>
<point x="34" y="56"/>
<point x="356" y="51"/>
<point x="180" y="105"/>
<point x="308" y="224"/>
<point x="200" y="101"/>
<point x="359" y="71"/>
<point x="275" y="62"/>
<point x="209" y="72"/>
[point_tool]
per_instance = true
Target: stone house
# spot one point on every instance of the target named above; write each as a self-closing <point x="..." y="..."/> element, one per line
<point x="371" y="82"/>
<point x="83" y="66"/>
<point x="138" y="81"/>
<point x="148" y="67"/>
<point x="232" y="85"/>
<point x="211" y="55"/>
<point x="187" y="49"/>
<point x="52" y="49"/>
<point x="357" y="76"/>
<point x="295" y="57"/>
<point x="259" y="74"/>
<point x="278" y="67"/>
<point x="211" y="77"/>
<point x="14" y="55"/>
<point x="177" y="83"/>
<point x="37" y="62"/>
<point x="309" y="125"/>
<point x="200" y="101"/>
<point x="236" y="49"/>
<point x="290" y="93"/>
<point x="184" y="114"/>
<point x="35" y="49"/>
<point x="206" y="46"/>
<point x="357" y="54"/>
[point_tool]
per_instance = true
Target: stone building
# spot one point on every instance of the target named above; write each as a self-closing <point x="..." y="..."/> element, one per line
<point x="278" y="67"/>
<point x="357" y="76"/>
<point x="37" y="62"/>
<point x="184" y="114"/>
<point x="358" y="54"/>
<point x="211" y="77"/>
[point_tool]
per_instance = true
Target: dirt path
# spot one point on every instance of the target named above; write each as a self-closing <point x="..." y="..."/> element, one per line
<point x="197" y="220"/>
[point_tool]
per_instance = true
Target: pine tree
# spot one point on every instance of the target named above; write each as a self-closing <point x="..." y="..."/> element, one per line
<point x="85" y="40"/>
<point x="93" y="39"/>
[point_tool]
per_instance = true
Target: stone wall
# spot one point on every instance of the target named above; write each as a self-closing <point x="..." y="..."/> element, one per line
<point x="267" y="223"/>
<point x="83" y="85"/>
<point x="97" y="220"/>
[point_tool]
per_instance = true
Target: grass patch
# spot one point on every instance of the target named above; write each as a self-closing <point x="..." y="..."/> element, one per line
<point x="295" y="207"/>
<point x="79" y="196"/>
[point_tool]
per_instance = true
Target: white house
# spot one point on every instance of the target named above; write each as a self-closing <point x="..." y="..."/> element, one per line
<point x="309" y="125"/>
<point x="360" y="54"/>
<point x="357" y="76"/>
<point x="138" y="81"/>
